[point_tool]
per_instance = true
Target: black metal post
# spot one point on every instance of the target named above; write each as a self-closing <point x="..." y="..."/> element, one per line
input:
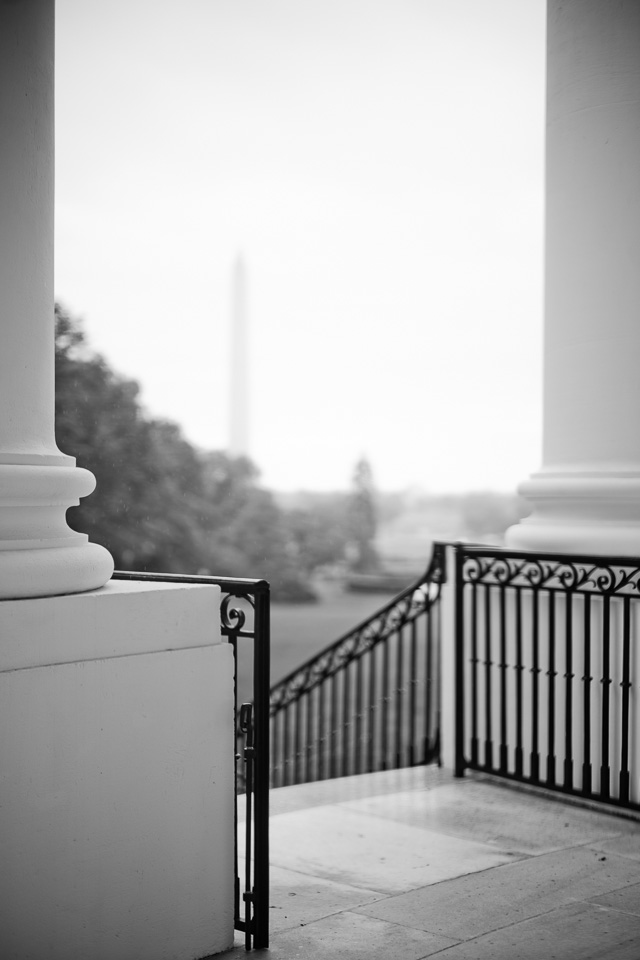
<point x="261" y="685"/>
<point x="248" y="730"/>
<point x="459" y="664"/>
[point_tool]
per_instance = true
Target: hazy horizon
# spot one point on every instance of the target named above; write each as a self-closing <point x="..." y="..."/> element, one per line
<point x="379" y="165"/>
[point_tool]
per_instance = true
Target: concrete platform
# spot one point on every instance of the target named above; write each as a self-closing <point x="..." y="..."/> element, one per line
<point x="408" y="864"/>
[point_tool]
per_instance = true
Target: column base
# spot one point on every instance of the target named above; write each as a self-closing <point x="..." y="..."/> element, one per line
<point x="116" y="732"/>
<point x="53" y="571"/>
<point x="587" y="512"/>
<point x="40" y="556"/>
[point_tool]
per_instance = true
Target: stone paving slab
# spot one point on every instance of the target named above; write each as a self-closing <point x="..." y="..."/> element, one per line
<point x="347" y="846"/>
<point x="476" y="904"/>
<point x="348" y="936"/>
<point x="626" y="899"/>
<point x="303" y="796"/>
<point x="355" y="873"/>
<point x="627" y="845"/>
<point x="297" y="898"/>
<point x="508" y="819"/>
<point x="575" y="931"/>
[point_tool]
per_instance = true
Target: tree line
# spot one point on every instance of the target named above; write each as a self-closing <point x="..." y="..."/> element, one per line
<point x="163" y="505"/>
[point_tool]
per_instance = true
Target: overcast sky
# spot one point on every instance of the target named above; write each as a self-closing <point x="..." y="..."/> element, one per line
<point x="379" y="165"/>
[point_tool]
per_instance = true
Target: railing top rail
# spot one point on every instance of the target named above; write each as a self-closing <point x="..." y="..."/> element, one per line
<point x="485" y="550"/>
<point x="228" y="583"/>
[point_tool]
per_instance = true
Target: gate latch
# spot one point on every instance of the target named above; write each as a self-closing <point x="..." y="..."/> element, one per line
<point x="246" y="725"/>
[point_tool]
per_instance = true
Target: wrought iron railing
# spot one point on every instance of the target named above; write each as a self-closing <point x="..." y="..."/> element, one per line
<point x="245" y="616"/>
<point x="547" y="661"/>
<point x="370" y="701"/>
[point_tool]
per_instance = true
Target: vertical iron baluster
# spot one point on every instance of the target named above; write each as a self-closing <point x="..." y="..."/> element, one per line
<point x="346" y="719"/>
<point x="333" y="726"/>
<point x="413" y="683"/>
<point x="626" y="685"/>
<point x="321" y="688"/>
<point x="357" y="761"/>
<point x="399" y="692"/>
<point x="568" y="693"/>
<point x="310" y="741"/>
<point x="475" y="671"/>
<point x="488" y="745"/>
<point x="386" y="682"/>
<point x="551" y="673"/>
<point x="586" y="704"/>
<point x="535" y="675"/>
<point x="371" y="745"/>
<point x="297" y="734"/>
<point x="519" y="669"/>
<point x="283" y="758"/>
<point x="605" y="772"/>
<point x="428" y="688"/>
<point x="436" y="751"/>
<point x="503" y="682"/>
<point x="275" y="750"/>
<point x="286" y="747"/>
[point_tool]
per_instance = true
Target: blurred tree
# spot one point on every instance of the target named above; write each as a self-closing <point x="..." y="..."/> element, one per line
<point x="490" y="514"/>
<point x="362" y="520"/>
<point x="318" y="533"/>
<point x="99" y="421"/>
<point x="161" y="505"/>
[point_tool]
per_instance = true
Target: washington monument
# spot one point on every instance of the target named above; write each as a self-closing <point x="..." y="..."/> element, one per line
<point x="239" y="386"/>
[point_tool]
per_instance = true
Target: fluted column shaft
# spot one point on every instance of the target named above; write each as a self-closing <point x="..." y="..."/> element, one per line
<point x="39" y="554"/>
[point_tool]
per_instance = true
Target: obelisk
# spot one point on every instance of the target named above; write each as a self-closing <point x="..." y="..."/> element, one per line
<point x="239" y="385"/>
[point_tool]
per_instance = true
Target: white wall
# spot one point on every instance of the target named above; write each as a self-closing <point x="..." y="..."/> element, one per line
<point x="116" y="775"/>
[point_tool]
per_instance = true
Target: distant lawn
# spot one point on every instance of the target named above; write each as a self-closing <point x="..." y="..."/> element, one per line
<point x="298" y="631"/>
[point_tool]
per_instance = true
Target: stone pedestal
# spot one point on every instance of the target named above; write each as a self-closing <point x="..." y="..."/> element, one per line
<point x="116" y="775"/>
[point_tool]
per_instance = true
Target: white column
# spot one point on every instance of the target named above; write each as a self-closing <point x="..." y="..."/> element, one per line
<point x="39" y="554"/>
<point x="586" y="497"/>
